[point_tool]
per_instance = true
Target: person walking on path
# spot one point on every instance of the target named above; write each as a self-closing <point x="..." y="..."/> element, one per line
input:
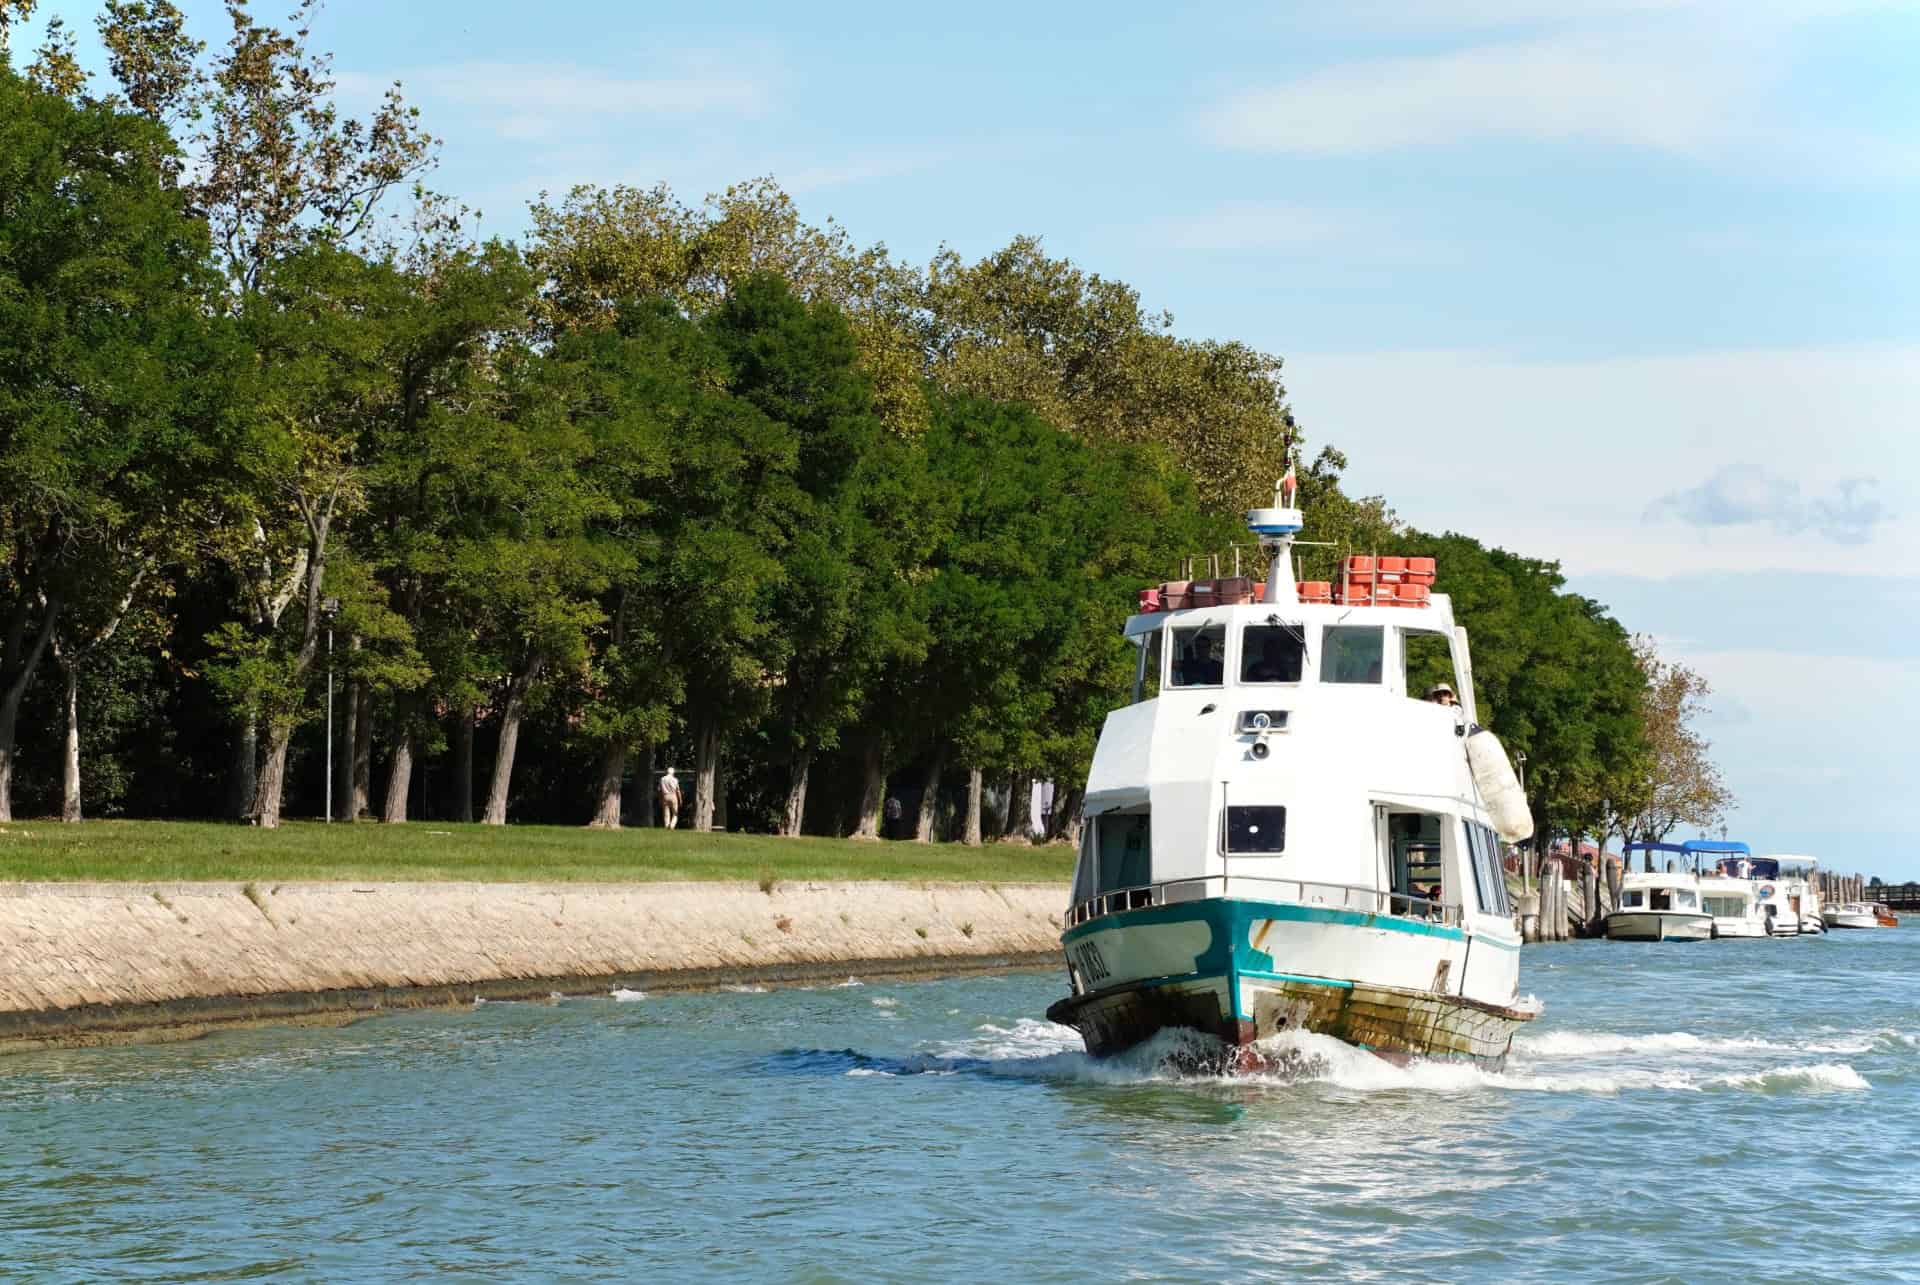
<point x="669" y="796"/>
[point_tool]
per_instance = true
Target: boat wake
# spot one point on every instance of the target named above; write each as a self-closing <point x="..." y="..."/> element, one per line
<point x="1579" y="1062"/>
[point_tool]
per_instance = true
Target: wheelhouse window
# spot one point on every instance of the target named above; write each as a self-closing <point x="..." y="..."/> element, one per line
<point x="1632" y="898"/>
<point x="1123" y="850"/>
<point x="1272" y="653"/>
<point x="1415" y="870"/>
<point x="1199" y="656"/>
<point x="1146" y="675"/>
<point x="1425" y="661"/>
<point x="1351" y="653"/>
<point x="1256" y="829"/>
<point x="1489" y="876"/>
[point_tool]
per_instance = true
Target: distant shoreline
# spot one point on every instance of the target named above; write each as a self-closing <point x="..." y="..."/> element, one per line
<point x="85" y="964"/>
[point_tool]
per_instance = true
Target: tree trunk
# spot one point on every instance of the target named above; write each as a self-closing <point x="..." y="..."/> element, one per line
<point x="930" y="796"/>
<point x="361" y="802"/>
<point x="1067" y="814"/>
<point x="340" y="710"/>
<point x="70" y="774"/>
<point x="641" y="808"/>
<point x="399" y="779"/>
<point x="795" y="812"/>
<point x="510" y="716"/>
<point x="976" y="786"/>
<point x="16" y="691"/>
<point x="706" y="771"/>
<point x="873" y="792"/>
<point x="1020" y="808"/>
<point x="463" y="767"/>
<point x="273" y="777"/>
<point x="613" y="770"/>
<point x="246" y="768"/>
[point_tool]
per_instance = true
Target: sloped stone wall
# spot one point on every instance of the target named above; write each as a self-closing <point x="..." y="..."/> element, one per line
<point x="84" y="963"/>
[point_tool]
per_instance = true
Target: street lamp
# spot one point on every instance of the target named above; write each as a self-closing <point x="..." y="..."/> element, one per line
<point x="1526" y="853"/>
<point x="329" y="608"/>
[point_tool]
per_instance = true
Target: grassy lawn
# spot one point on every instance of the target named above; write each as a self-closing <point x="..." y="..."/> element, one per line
<point x="308" y="850"/>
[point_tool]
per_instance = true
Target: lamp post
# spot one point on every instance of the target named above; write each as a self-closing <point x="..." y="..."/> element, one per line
<point x="1526" y="853"/>
<point x="328" y="609"/>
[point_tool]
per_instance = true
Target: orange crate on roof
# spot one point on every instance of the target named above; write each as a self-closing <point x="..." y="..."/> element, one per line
<point x="1319" y="591"/>
<point x="1411" y="595"/>
<point x="1174" y="596"/>
<point x="1235" y="591"/>
<point x="1391" y="568"/>
<point x="1360" y="568"/>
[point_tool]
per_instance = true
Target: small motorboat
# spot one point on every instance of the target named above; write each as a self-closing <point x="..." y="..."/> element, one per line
<point x="1659" y="905"/>
<point x="1884" y="916"/>
<point x="1852" y="914"/>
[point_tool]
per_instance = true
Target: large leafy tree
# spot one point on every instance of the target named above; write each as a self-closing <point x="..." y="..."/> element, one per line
<point x="106" y="356"/>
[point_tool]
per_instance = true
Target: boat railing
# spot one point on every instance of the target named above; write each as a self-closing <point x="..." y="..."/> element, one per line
<point x="1333" y="896"/>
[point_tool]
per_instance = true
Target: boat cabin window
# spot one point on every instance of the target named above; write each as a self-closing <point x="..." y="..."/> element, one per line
<point x="1272" y="653"/>
<point x="1726" y="907"/>
<point x="1199" y="656"/>
<point x="1146" y="674"/>
<point x="1425" y="661"/>
<point x="1351" y="653"/>
<point x="1660" y="899"/>
<point x="1123" y="850"/>
<point x="1489" y="875"/>
<point x="1256" y="829"/>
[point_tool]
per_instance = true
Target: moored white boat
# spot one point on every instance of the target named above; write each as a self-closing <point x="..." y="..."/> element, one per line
<point x="1659" y="905"/>
<point x="1798" y="893"/>
<point x="1852" y="914"/>
<point x="1729" y="890"/>
<point x="1282" y="834"/>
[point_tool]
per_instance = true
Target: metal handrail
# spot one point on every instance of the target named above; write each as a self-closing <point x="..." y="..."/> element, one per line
<point x="1307" y="893"/>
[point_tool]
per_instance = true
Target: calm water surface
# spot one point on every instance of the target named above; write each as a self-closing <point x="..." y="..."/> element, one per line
<point x="1713" y="1111"/>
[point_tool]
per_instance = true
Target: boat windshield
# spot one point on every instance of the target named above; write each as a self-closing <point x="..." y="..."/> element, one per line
<point x="1272" y="653"/>
<point x="1351" y="654"/>
<point x="1199" y="656"/>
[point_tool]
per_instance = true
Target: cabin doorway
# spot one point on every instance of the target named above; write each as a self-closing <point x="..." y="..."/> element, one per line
<point x="1410" y="851"/>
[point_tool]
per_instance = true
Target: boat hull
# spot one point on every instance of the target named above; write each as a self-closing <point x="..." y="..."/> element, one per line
<point x="1659" y="925"/>
<point x="1728" y="926"/>
<point x="1835" y="919"/>
<point x="1199" y="970"/>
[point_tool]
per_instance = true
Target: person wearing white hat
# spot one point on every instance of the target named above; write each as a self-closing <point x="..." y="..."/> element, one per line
<point x="668" y="792"/>
<point x="1441" y="694"/>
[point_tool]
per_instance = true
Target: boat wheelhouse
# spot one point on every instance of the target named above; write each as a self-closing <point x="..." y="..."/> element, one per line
<point x="1282" y="833"/>
<point x="1658" y="905"/>
<point x="1729" y="887"/>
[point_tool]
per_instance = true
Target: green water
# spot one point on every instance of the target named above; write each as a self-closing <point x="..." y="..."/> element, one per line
<point x="1713" y="1111"/>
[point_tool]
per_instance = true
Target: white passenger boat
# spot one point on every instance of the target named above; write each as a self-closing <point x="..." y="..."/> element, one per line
<point x="1852" y="914"/>
<point x="1798" y="892"/>
<point x="1659" y="905"/>
<point x="1282" y="834"/>
<point x="1729" y="888"/>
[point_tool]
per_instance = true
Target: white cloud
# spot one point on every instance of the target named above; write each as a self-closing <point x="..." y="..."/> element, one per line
<point x="1639" y="90"/>
<point x="1745" y="494"/>
<point x="1704" y="79"/>
<point x="1562" y="459"/>
<point x="528" y="101"/>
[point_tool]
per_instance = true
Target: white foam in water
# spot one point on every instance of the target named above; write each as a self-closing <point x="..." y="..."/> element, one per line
<point x="884" y="1001"/>
<point x="625" y="996"/>
<point x="851" y="981"/>
<point x="1819" y="1075"/>
<point x="751" y="990"/>
<point x="1031" y="1049"/>
<point x="1594" y="1043"/>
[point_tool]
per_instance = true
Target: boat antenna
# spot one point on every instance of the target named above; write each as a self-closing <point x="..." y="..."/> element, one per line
<point x="1276" y="528"/>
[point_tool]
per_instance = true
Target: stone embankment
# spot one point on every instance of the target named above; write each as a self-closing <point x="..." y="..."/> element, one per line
<point x="107" y="963"/>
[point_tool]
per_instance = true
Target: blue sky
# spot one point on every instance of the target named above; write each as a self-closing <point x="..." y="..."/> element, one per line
<point x="1630" y="283"/>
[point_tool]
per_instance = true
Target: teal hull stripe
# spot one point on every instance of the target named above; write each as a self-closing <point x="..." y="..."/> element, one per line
<point x="1214" y="909"/>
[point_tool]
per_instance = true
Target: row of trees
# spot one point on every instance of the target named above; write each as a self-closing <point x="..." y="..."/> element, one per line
<point x="702" y="480"/>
